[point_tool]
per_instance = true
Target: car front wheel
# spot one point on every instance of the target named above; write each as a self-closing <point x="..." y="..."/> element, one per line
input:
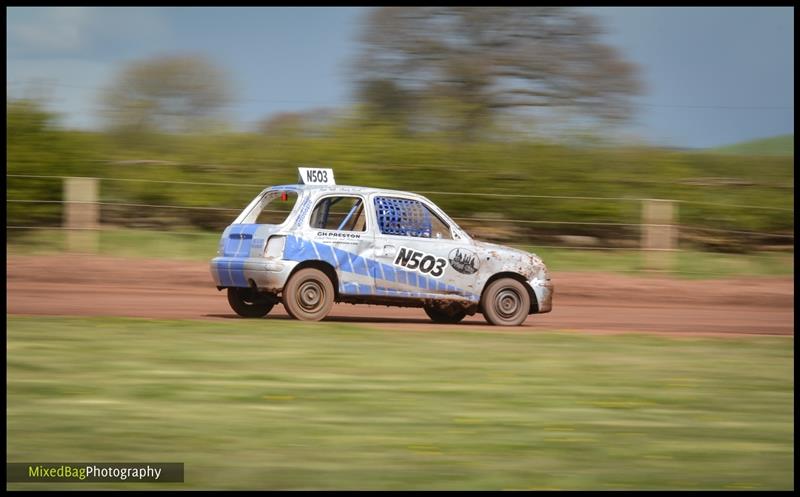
<point x="248" y="303"/>
<point x="308" y="296"/>
<point x="506" y="302"/>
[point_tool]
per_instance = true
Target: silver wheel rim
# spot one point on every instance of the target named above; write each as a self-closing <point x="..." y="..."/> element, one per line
<point x="507" y="303"/>
<point x="310" y="295"/>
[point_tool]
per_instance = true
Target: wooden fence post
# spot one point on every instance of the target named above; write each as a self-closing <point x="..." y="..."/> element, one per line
<point x="81" y="214"/>
<point x="659" y="234"/>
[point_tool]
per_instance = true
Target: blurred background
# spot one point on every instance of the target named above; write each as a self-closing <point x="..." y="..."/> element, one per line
<point x="645" y="153"/>
<point x="547" y="128"/>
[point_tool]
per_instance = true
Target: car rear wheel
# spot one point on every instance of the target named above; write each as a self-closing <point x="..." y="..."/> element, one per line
<point x="249" y="303"/>
<point x="308" y="296"/>
<point x="506" y="302"/>
<point x="448" y="315"/>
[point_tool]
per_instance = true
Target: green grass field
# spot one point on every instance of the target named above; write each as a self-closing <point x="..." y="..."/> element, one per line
<point x="782" y="145"/>
<point x="201" y="246"/>
<point x="275" y="404"/>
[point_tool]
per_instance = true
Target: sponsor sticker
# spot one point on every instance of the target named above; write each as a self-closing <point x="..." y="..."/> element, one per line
<point x="338" y="235"/>
<point x="464" y="261"/>
<point x="301" y="213"/>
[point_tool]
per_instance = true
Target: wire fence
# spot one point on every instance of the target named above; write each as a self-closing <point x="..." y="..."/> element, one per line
<point x="425" y="192"/>
<point x="632" y="266"/>
<point x="460" y="218"/>
<point x="637" y="227"/>
<point x="626" y="255"/>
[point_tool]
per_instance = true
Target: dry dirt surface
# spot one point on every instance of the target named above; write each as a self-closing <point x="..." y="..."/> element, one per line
<point x="74" y="285"/>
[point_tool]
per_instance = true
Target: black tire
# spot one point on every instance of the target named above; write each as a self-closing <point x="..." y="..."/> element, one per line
<point x="506" y="302"/>
<point x="448" y="315"/>
<point x="308" y="296"/>
<point x="248" y="303"/>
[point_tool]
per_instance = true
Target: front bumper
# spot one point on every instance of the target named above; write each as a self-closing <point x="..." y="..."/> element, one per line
<point x="543" y="289"/>
<point x="266" y="274"/>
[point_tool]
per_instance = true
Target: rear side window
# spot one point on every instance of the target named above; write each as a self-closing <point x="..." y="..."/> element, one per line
<point x="343" y="213"/>
<point x="273" y="207"/>
<point x="406" y="217"/>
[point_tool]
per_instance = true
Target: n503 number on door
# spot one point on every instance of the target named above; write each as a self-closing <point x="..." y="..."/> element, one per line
<point x="420" y="261"/>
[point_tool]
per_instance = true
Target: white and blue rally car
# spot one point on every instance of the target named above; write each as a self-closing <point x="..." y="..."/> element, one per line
<point x="315" y="243"/>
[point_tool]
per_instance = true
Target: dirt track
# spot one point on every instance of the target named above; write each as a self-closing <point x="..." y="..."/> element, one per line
<point x="598" y="302"/>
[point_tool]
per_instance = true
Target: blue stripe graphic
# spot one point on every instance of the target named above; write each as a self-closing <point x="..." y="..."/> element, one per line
<point x="230" y="246"/>
<point x="374" y="270"/>
<point x="299" y="249"/>
<point x="344" y="260"/>
<point x="389" y="272"/>
<point x="326" y="253"/>
<point x="237" y="270"/>
<point x="359" y="265"/>
<point x="247" y="240"/>
<point x="222" y="270"/>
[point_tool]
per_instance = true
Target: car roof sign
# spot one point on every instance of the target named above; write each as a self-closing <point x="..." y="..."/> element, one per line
<point x="315" y="176"/>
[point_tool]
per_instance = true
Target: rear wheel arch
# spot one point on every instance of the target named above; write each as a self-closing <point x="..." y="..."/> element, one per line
<point x="323" y="266"/>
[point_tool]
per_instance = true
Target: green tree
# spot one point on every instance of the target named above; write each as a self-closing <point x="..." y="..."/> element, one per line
<point x="167" y="93"/>
<point x="467" y="64"/>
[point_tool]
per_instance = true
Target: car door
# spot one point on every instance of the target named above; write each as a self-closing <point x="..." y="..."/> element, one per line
<point x="413" y="248"/>
<point x="341" y="235"/>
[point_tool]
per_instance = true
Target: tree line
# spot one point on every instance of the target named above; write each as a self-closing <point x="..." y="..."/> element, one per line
<point x="452" y="69"/>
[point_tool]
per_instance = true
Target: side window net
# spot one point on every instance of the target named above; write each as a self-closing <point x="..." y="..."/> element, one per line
<point x="398" y="216"/>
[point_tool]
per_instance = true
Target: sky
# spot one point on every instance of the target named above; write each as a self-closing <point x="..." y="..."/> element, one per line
<point x="713" y="76"/>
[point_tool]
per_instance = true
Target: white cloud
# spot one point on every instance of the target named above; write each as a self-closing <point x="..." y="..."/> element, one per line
<point x="82" y="31"/>
<point x="66" y="55"/>
<point x="60" y="29"/>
